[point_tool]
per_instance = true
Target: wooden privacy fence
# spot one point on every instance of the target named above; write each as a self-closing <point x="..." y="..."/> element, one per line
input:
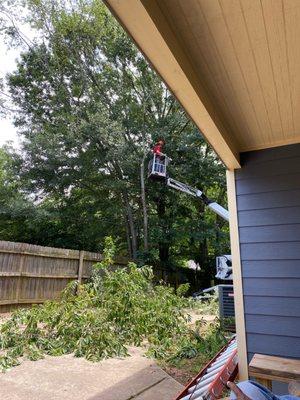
<point x="31" y="274"/>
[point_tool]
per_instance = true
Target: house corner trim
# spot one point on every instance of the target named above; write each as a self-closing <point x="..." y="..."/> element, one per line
<point x="237" y="276"/>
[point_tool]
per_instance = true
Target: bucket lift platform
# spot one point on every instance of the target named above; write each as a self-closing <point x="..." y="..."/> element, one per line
<point x="157" y="169"/>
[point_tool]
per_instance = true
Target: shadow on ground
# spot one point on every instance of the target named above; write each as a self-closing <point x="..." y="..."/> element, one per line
<point x="148" y="384"/>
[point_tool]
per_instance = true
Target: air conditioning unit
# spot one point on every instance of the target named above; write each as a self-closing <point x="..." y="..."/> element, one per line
<point x="226" y="306"/>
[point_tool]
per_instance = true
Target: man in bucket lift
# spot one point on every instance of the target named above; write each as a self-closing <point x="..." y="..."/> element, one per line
<point x="157" y="149"/>
<point x="160" y="157"/>
<point x="157" y="165"/>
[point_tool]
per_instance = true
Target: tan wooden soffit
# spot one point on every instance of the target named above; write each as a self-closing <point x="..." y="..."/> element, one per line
<point x="146" y="24"/>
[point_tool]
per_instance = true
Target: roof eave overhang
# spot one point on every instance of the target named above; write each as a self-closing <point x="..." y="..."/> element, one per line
<point x="148" y="28"/>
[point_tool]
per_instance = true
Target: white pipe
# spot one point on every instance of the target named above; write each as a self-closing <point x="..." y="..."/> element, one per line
<point x="198" y="398"/>
<point x="221" y="360"/>
<point x="227" y="351"/>
<point x="233" y="344"/>
<point x="196" y="395"/>
<point x="204" y="382"/>
<point x="191" y="397"/>
<point x="219" y="363"/>
<point x="196" y="387"/>
<point x="211" y="373"/>
<point x="200" y="392"/>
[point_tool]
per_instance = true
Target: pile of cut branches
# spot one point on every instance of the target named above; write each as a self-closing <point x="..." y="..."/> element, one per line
<point x="99" y="319"/>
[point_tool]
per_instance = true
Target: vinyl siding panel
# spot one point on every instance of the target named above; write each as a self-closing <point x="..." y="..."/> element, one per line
<point x="271" y="268"/>
<point x="268" y="203"/>
<point x="266" y="305"/>
<point x="269" y="200"/>
<point x="269" y="251"/>
<point x="275" y="287"/>
<point x="269" y="234"/>
<point x="273" y="216"/>
<point x="269" y="184"/>
<point x="264" y="324"/>
<point x="270" y="168"/>
<point x="282" y="346"/>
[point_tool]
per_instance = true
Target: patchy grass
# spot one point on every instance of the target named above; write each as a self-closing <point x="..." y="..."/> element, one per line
<point x="209" y="338"/>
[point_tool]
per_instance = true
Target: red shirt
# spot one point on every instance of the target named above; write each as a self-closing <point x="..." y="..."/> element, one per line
<point x="157" y="149"/>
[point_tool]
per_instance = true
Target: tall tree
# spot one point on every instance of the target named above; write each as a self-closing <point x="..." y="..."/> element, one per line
<point x="89" y="108"/>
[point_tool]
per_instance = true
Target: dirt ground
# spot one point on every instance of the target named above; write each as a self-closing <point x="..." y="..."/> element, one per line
<point x="69" y="378"/>
<point x="196" y="316"/>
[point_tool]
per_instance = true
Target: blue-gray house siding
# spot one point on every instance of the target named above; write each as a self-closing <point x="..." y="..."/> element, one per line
<point x="268" y="202"/>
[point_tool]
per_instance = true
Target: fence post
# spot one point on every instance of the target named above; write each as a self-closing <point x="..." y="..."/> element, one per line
<point x="80" y="268"/>
<point x="21" y="266"/>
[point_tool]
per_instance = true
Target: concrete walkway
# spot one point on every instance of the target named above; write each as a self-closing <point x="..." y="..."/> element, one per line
<point x="70" y="378"/>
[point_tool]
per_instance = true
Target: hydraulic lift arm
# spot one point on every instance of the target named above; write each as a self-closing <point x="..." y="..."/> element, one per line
<point x="221" y="211"/>
<point x="158" y="171"/>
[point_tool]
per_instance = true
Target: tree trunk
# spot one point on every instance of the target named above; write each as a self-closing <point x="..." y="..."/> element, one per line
<point x="125" y="198"/>
<point x="129" y="247"/>
<point x="163" y="245"/>
<point x="131" y="225"/>
<point x="144" y="206"/>
<point x="164" y="252"/>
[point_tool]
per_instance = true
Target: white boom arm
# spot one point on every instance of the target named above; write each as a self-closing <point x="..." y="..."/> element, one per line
<point x="221" y="211"/>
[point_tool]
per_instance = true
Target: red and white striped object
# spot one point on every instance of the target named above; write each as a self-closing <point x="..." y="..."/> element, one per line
<point x="211" y="380"/>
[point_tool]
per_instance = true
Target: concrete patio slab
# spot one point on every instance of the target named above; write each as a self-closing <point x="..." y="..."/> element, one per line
<point x="70" y="378"/>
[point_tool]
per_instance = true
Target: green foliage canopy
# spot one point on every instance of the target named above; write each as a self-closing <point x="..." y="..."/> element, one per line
<point x="89" y="107"/>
